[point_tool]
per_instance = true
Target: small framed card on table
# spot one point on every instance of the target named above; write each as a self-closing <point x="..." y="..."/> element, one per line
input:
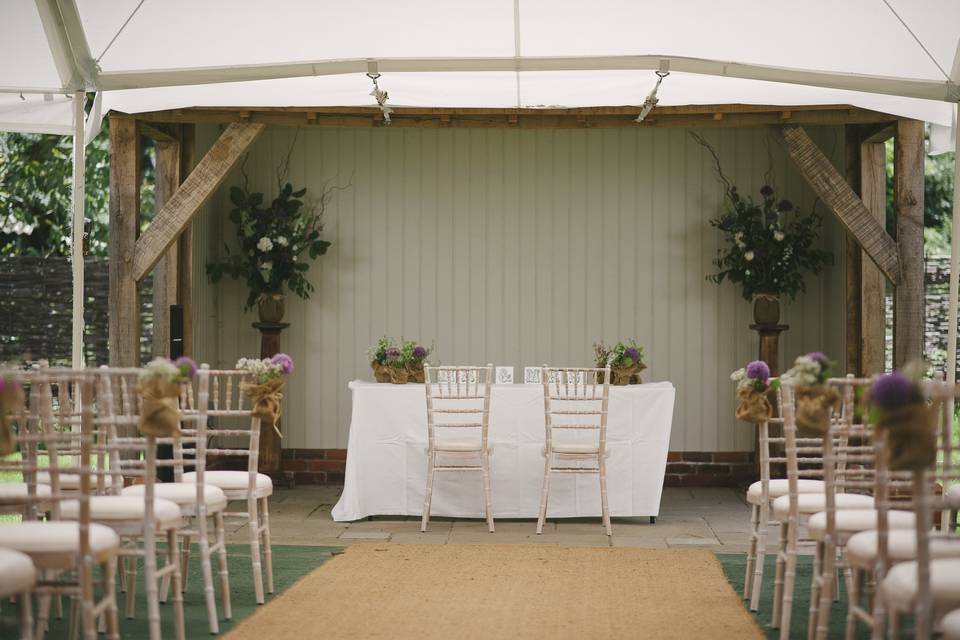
<point x="504" y="375"/>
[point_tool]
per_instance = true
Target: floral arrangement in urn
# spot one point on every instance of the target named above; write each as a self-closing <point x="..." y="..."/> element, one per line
<point x="159" y="385"/>
<point x="11" y="401"/>
<point x="814" y="398"/>
<point x="273" y="241"/>
<point x="753" y="384"/>
<point x="268" y="375"/>
<point x="901" y="413"/>
<point x="398" y="363"/>
<point x="625" y="360"/>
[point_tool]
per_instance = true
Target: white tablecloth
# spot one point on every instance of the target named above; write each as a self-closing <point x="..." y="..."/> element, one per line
<point x="387" y="461"/>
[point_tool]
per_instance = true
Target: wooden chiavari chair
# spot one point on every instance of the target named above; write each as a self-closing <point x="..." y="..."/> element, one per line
<point x="760" y="497"/>
<point x="929" y="586"/>
<point x="575" y="402"/>
<point x="197" y="501"/>
<point x="805" y="460"/>
<point x="950" y="625"/>
<point x="65" y="552"/>
<point x="458" y="402"/>
<point x="226" y="403"/>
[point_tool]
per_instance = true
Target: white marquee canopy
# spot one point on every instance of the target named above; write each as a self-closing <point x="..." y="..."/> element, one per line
<point x="895" y="56"/>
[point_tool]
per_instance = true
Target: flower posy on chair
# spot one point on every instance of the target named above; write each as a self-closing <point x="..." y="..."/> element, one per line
<point x="814" y="398"/>
<point x="753" y="384"/>
<point x="900" y="412"/>
<point x="159" y="388"/>
<point x="11" y="401"/>
<point x="269" y="376"/>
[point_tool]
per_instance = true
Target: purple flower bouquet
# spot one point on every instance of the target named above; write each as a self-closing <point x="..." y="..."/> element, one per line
<point x="900" y="412"/>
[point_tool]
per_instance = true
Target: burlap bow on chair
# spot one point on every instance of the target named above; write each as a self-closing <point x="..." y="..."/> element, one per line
<point x="266" y="399"/>
<point x="159" y="408"/>
<point x="911" y="441"/>
<point x="11" y="401"/>
<point x="814" y="403"/>
<point x="753" y="406"/>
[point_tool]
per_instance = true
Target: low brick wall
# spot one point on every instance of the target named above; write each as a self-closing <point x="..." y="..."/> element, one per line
<point x="684" y="468"/>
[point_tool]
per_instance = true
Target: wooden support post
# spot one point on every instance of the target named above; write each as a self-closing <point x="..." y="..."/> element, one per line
<point x="165" y="274"/>
<point x="908" y="306"/>
<point x="873" y="192"/>
<point x="185" y="243"/>
<point x="123" y="297"/>
<point x="853" y="258"/>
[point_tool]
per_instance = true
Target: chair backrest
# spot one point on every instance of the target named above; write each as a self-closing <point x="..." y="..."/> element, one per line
<point x="458" y="398"/>
<point x="575" y="399"/>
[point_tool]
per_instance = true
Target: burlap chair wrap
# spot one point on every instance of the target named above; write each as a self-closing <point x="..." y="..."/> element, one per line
<point x="159" y="408"/>
<point x="911" y="441"/>
<point x="814" y="403"/>
<point x="753" y="406"/>
<point x="266" y="399"/>
<point x="11" y="401"/>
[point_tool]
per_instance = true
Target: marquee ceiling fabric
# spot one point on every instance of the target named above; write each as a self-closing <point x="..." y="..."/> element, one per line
<point x="149" y="55"/>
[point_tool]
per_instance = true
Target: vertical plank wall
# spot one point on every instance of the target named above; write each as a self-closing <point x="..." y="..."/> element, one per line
<point x="518" y="247"/>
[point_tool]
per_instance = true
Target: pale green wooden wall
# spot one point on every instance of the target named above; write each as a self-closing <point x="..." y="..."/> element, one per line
<point x="518" y="247"/>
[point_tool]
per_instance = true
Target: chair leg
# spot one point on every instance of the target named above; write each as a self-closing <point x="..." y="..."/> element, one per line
<point x="789" y="582"/>
<point x="827" y="586"/>
<point x="178" y="589"/>
<point x="778" y="577"/>
<point x="43" y="616"/>
<point x="220" y="537"/>
<point x="110" y="589"/>
<point x="203" y="540"/>
<point x="267" y="547"/>
<point x="131" y="587"/>
<point x="761" y="553"/>
<point x="544" y="496"/>
<point x="751" y="551"/>
<point x="853" y="600"/>
<point x="151" y="584"/>
<point x="487" y="503"/>
<point x="26" y="616"/>
<point x="255" y="549"/>
<point x="604" y="508"/>
<point x="185" y="561"/>
<point x="428" y="494"/>
<point x="816" y="580"/>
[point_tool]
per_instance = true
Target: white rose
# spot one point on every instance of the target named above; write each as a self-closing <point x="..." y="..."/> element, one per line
<point x="282" y="241"/>
<point x="779" y="236"/>
<point x="265" y="244"/>
<point x="748" y="256"/>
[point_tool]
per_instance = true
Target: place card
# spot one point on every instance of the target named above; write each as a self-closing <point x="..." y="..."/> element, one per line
<point x="504" y="375"/>
<point x="531" y="375"/>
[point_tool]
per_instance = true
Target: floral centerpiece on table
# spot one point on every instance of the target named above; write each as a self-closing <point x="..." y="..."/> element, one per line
<point x="625" y="360"/>
<point x="753" y="385"/>
<point x="398" y="363"/>
<point x="159" y="384"/>
<point x="815" y="399"/>
<point x="11" y="402"/>
<point x="273" y="241"/>
<point x="900" y="411"/>
<point x="268" y="375"/>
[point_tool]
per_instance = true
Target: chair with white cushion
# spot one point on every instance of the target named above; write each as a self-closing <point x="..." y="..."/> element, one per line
<point x="458" y="420"/>
<point x="197" y="502"/>
<point x="760" y="497"/>
<point x="228" y="403"/>
<point x="19" y="578"/>
<point x="64" y="552"/>
<point x="950" y="625"/>
<point x="575" y="416"/>
<point x="929" y="586"/>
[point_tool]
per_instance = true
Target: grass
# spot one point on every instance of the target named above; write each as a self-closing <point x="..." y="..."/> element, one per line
<point x="290" y="563"/>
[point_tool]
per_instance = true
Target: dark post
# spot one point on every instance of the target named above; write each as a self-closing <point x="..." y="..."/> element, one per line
<point x="769" y="353"/>
<point x="269" y="440"/>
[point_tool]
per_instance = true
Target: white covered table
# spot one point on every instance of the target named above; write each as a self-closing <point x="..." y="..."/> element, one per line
<point x="387" y="459"/>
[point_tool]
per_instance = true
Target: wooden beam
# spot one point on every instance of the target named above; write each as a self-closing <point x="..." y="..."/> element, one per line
<point x="165" y="277"/>
<point x="159" y="132"/>
<point x="185" y="243"/>
<point x="880" y="132"/>
<point x="123" y="297"/>
<point x="853" y="257"/>
<point x="176" y="214"/>
<point x="908" y="305"/>
<point x="873" y="331"/>
<point x="827" y="183"/>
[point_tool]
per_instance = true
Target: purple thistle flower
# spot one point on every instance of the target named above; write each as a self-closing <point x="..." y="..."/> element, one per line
<point x="632" y="353"/>
<point x="285" y="362"/>
<point x="771" y="217"/>
<point x="785" y="205"/>
<point x="819" y="357"/>
<point x="766" y="191"/>
<point x="419" y="353"/>
<point x="393" y="353"/>
<point x="188" y="368"/>
<point x="892" y="390"/>
<point x="758" y="370"/>
<point x="726" y="223"/>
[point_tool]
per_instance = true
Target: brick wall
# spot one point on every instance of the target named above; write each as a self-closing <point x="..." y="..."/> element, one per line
<point x="684" y="468"/>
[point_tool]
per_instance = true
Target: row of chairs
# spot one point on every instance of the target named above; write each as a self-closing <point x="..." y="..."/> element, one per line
<point x="870" y="526"/>
<point x="575" y="412"/>
<point x="91" y="507"/>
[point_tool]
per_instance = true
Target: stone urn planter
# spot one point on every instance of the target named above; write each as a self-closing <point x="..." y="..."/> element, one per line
<point x="270" y="307"/>
<point x="766" y="308"/>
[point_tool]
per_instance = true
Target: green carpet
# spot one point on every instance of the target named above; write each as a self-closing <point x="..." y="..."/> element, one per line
<point x="290" y="563"/>
<point x="734" y="565"/>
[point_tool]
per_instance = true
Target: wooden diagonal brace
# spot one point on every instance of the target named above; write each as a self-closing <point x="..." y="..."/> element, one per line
<point x="827" y="183"/>
<point x="176" y="214"/>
